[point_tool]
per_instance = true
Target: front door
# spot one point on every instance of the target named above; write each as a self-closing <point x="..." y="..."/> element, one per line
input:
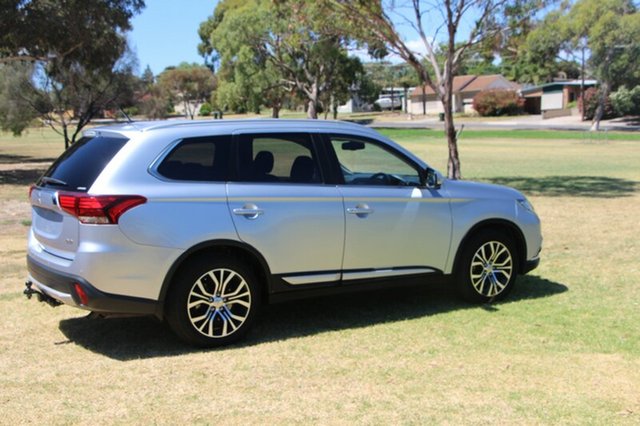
<point x="394" y="225"/>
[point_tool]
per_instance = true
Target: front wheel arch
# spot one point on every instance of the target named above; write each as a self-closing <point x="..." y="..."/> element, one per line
<point x="499" y="225"/>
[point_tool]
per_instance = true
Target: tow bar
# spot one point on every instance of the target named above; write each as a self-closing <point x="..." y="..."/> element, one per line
<point x="28" y="291"/>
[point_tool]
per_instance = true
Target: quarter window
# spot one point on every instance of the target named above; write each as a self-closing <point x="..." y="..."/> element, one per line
<point x="367" y="163"/>
<point x="198" y="159"/>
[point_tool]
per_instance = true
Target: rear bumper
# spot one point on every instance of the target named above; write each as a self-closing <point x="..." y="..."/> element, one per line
<point x="61" y="287"/>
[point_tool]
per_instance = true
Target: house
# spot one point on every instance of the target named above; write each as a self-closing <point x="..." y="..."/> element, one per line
<point x="465" y="87"/>
<point x="553" y="99"/>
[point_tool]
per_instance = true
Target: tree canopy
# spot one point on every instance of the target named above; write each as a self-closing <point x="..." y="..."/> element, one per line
<point x="277" y="47"/>
<point x="189" y="84"/>
<point x="80" y="62"/>
<point x="84" y="31"/>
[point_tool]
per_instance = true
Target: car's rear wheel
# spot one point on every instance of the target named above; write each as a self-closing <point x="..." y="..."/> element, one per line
<point x="213" y="302"/>
<point x="487" y="268"/>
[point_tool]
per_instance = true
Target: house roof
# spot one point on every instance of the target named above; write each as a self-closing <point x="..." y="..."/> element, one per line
<point x="530" y="89"/>
<point x="488" y="82"/>
<point x="472" y="83"/>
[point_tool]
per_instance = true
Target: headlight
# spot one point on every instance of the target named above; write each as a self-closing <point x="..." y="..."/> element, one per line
<point x="526" y="205"/>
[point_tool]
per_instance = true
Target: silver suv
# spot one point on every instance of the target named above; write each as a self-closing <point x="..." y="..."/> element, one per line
<point x="199" y="223"/>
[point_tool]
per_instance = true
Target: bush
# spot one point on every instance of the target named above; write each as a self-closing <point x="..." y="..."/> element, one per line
<point x="591" y="96"/>
<point x="625" y="101"/>
<point x="493" y="103"/>
<point x="132" y="111"/>
<point x="206" y="109"/>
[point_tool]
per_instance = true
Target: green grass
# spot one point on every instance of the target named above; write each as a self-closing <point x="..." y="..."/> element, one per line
<point x="401" y="135"/>
<point x="563" y="349"/>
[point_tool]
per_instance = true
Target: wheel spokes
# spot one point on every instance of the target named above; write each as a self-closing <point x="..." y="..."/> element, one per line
<point x="219" y="303"/>
<point x="491" y="268"/>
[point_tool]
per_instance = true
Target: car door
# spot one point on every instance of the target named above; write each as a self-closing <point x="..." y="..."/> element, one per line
<point x="394" y="224"/>
<point x="281" y="206"/>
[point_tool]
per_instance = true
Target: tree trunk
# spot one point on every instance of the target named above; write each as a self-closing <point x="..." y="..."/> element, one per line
<point x="275" y="111"/>
<point x="312" y="110"/>
<point x="65" y="131"/>
<point x="405" y="106"/>
<point x="599" y="112"/>
<point x="453" y="163"/>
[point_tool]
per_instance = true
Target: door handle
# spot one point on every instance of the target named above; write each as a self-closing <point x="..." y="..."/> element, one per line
<point x="250" y="211"/>
<point x="360" y="210"/>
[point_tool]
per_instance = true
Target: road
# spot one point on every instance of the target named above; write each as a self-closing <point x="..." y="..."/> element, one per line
<point x="533" y="122"/>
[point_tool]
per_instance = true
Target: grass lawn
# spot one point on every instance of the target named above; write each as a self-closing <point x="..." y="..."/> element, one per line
<point x="563" y="349"/>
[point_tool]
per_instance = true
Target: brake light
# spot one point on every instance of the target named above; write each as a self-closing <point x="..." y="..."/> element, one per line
<point x="98" y="209"/>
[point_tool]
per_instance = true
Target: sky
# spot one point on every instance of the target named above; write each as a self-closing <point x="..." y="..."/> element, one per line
<point x="166" y="32"/>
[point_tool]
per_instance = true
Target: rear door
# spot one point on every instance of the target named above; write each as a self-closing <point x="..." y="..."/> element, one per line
<point x="282" y="207"/>
<point x="75" y="170"/>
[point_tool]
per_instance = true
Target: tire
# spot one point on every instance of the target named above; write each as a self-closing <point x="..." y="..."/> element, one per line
<point x="487" y="268"/>
<point x="213" y="301"/>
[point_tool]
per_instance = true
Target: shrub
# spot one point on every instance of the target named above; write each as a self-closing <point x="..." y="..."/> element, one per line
<point x="132" y="111"/>
<point x="493" y="103"/>
<point x="206" y="109"/>
<point x="625" y="101"/>
<point x="591" y="96"/>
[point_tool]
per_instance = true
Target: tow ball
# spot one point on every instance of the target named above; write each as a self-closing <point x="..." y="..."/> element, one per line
<point x="28" y="291"/>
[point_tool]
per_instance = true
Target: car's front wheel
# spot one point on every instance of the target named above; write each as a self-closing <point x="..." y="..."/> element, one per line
<point x="213" y="302"/>
<point x="487" y="268"/>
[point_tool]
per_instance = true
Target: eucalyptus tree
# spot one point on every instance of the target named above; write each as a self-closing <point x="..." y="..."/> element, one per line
<point x="78" y="57"/>
<point x="272" y="47"/>
<point x="456" y="26"/>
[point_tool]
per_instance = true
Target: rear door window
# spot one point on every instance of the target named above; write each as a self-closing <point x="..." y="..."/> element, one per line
<point x="79" y="166"/>
<point x="278" y="158"/>
<point x="203" y="159"/>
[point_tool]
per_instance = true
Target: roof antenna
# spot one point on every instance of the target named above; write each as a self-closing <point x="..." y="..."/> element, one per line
<point x="129" y="120"/>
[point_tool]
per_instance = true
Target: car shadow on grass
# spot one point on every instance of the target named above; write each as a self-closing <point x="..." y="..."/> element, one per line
<point x="571" y="186"/>
<point x="20" y="176"/>
<point x="21" y="159"/>
<point x="133" y="338"/>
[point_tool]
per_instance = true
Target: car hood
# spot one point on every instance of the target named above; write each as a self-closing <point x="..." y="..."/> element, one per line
<point x="466" y="189"/>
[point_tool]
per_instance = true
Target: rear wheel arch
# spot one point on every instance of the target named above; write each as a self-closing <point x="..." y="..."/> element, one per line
<point x="500" y="225"/>
<point x="243" y="252"/>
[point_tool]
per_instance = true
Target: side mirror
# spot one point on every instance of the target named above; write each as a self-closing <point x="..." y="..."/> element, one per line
<point x="432" y="180"/>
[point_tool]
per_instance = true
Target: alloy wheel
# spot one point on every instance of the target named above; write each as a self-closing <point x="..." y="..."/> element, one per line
<point x="219" y="303"/>
<point x="491" y="268"/>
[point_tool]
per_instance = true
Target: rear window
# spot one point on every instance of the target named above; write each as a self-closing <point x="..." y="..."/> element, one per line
<point x="79" y="166"/>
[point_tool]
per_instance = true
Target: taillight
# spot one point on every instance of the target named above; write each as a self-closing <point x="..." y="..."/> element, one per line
<point x="31" y="188"/>
<point x="98" y="209"/>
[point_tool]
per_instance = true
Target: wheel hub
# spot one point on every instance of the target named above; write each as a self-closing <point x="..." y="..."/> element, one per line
<point x="217" y="302"/>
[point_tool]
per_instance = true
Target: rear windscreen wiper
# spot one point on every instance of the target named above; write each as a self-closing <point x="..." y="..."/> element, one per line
<point x="53" y="181"/>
